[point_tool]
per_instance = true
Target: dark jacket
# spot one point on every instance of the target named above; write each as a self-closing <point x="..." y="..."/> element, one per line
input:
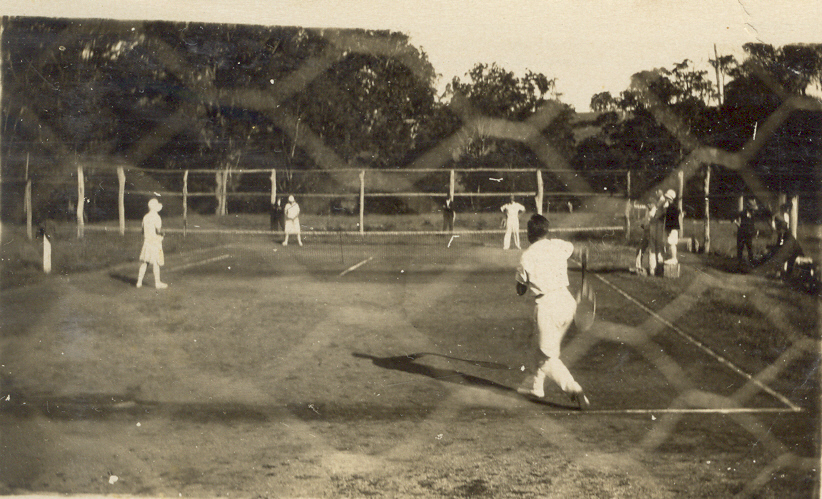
<point x="671" y="218"/>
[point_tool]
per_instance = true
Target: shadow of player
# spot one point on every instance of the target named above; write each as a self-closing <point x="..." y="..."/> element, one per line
<point x="132" y="281"/>
<point x="408" y="364"/>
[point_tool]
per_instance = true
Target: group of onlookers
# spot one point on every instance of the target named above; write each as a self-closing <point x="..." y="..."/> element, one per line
<point x="661" y="228"/>
<point x="779" y="257"/>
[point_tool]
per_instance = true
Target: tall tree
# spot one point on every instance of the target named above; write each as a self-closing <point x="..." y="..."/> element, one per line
<point x="490" y="91"/>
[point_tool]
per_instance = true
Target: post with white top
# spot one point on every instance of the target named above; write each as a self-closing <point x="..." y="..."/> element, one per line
<point x="273" y="187"/>
<point x="540" y="192"/>
<point x="27" y="201"/>
<point x="628" y="210"/>
<point x="46" y="252"/>
<point x="707" y="233"/>
<point x="121" y="199"/>
<point x="451" y="183"/>
<point x="185" y="202"/>
<point x="794" y="215"/>
<point x="679" y="195"/>
<point x="81" y="201"/>
<point x="362" y="201"/>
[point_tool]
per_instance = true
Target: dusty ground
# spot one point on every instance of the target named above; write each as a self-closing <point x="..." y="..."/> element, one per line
<point x="270" y="375"/>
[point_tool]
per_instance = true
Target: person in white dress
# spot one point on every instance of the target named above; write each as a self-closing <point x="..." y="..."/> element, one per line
<point x="292" y="220"/>
<point x="152" y="251"/>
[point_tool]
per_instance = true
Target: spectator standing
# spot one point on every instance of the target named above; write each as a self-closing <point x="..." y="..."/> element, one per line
<point x="671" y="225"/>
<point x="292" y="220"/>
<point x="746" y="231"/>
<point x="277" y="215"/>
<point x="512" y="209"/>
<point x="449" y="216"/>
<point x="646" y="244"/>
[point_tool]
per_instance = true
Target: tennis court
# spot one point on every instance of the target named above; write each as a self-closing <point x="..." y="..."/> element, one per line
<point x="364" y="366"/>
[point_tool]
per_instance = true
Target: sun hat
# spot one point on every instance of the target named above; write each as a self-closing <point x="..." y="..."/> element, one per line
<point x="670" y="194"/>
<point x="155" y="205"/>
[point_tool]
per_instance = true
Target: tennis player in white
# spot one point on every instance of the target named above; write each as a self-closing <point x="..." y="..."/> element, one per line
<point x="543" y="269"/>
<point x="152" y="250"/>
<point x="292" y="220"/>
<point x="512" y="211"/>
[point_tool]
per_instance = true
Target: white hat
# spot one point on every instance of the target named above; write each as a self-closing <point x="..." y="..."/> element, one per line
<point x="670" y="194"/>
<point x="290" y="199"/>
<point x="155" y="205"/>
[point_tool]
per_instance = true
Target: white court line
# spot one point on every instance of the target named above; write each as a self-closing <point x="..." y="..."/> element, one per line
<point x="183" y="255"/>
<point x="201" y="262"/>
<point x="719" y="358"/>
<point x="355" y="267"/>
<point x="653" y="412"/>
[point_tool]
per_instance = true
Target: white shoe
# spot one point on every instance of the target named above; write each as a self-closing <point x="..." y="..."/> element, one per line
<point x="530" y="388"/>
<point x="285" y="243"/>
<point x="160" y="285"/>
<point x="139" y="284"/>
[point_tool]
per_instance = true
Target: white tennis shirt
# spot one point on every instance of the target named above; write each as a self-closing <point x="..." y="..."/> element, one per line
<point x="543" y="267"/>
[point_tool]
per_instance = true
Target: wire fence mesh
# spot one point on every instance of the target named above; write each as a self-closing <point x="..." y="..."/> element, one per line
<point x="643" y="338"/>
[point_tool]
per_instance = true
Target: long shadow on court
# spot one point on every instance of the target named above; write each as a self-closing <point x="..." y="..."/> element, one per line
<point x="408" y="364"/>
<point x="132" y="281"/>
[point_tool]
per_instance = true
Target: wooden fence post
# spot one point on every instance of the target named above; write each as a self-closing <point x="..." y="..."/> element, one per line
<point x="679" y="195"/>
<point x="81" y="201"/>
<point x="121" y="199"/>
<point x="362" y="201"/>
<point x="273" y="186"/>
<point x="451" y="183"/>
<point x="540" y="192"/>
<point x="185" y="202"/>
<point x="794" y="215"/>
<point x="707" y="233"/>
<point x="46" y="253"/>
<point x="27" y="201"/>
<point x="221" y="191"/>
<point x="628" y="184"/>
<point x="627" y="219"/>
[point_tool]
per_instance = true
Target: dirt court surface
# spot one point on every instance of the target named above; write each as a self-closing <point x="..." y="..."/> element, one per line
<point x="266" y="371"/>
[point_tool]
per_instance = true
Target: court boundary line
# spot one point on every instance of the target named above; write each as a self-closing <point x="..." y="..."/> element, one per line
<point x="356" y="266"/>
<point x="653" y="412"/>
<point x="197" y="263"/>
<point x="706" y="349"/>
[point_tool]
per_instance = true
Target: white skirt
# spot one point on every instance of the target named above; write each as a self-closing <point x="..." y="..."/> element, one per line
<point x="292" y="226"/>
<point x="152" y="252"/>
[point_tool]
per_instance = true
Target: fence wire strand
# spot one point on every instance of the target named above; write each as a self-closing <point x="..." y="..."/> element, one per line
<point x="642" y="338"/>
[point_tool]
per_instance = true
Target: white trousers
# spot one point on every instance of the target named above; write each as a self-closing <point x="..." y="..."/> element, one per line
<point x="511" y="230"/>
<point x="553" y="316"/>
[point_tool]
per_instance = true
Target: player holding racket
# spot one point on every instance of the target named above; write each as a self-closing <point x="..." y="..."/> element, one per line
<point x="543" y="269"/>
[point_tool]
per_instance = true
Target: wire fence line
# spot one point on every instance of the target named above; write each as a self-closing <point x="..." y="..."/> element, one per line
<point x="644" y="337"/>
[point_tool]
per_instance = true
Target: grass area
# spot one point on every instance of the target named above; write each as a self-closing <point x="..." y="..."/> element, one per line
<point x="102" y="246"/>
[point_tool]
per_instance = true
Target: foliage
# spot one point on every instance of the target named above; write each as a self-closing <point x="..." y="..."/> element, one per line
<point x="491" y="93"/>
<point x="631" y="137"/>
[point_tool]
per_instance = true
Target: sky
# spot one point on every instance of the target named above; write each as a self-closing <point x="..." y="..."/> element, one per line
<point x="589" y="46"/>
